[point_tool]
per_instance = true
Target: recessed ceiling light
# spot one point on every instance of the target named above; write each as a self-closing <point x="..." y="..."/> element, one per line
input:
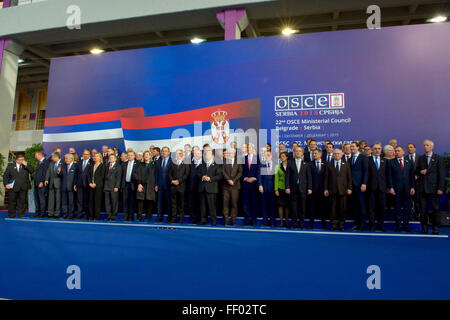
<point x="288" y="31"/>
<point x="437" y="19"/>
<point x="97" y="51"/>
<point x="197" y="40"/>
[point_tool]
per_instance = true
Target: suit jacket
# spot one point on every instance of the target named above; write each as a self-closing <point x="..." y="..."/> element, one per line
<point x="53" y="178"/>
<point x="180" y="173"/>
<point x="308" y="157"/>
<point x="214" y="172"/>
<point x="21" y="178"/>
<point x="193" y="178"/>
<point x="113" y="177"/>
<point x="41" y="171"/>
<point x="338" y="183"/>
<point x="317" y="176"/>
<point x="434" y="180"/>
<point x="303" y="177"/>
<point x="253" y="171"/>
<point x="325" y="156"/>
<point x="267" y="180"/>
<point x="69" y="179"/>
<point x="83" y="181"/>
<point x="344" y="158"/>
<point x="377" y="178"/>
<point x="234" y="174"/>
<point x="400" y="179"/>
<point x="360" y="173"/>
<point x="133" y="170"/>
<point x="99" y="177"/>
<point x="162" y="174"/>
<point x="149" y="184"/>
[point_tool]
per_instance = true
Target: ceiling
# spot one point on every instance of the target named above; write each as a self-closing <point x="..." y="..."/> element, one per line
<point x="265" y="20"/>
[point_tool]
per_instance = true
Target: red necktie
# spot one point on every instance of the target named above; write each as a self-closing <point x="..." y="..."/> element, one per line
<point x="401" y="163"/>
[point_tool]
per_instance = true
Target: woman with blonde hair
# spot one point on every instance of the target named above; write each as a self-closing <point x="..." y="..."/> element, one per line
<point x="96" y="177"/>
<point x="389" y="152"/>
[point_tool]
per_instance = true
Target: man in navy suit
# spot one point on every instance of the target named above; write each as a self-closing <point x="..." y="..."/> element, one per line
<point x="266" y="188"/>
<point x="128" y="186"/>
<point x="163" y="183"/>
<point x="83" y="184"/>
<point x="401" y="185"/>
<point x="250" y="175"/>
<point x="298" y="185"/>
<point x="309" y="153"/>
<point x="327" y="154"/>
<point x="377" y="188"/>
<point x="69" y="179"/>
<point x="430" y="172"/>
<point x="360" y="174"/>
<point x="40" y="190"/>
<point x="193" y="193"/>
<point x="317" y="207"/>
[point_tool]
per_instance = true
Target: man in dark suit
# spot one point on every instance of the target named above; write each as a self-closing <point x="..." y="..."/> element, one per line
<point x="113" y="181"/>
<point x="360" y="174"/>
<point x="163" y="184"/>
<point x="16" y="179"/>
<point x="309" y="153"/>
<point x="298" y="185"/>
<point x="377" y="188"/>
<point x="83" y="184"/>
<point x="128" y="186"/>
<point x="401" y="185"/>
<point x="40" y="190"/>
<point x="105" y="153"/>
<point x="231" y="184"/>
<point x="178" y="176"/>
<point x="250" y="175"/>
<point x="317" y="207"/>
<point x="53" y="181"/>
<point x="267" y="189"/>
<point x="347" y="150"/>
<point x="327" y="154"/>
<point x="209" y="174"/>
<point x="337" y="186"/>
<point x="69" y="179"/>
<point x="430" y="173"/>
<point x="194" y="196"/>
<point x="412" y="156"/>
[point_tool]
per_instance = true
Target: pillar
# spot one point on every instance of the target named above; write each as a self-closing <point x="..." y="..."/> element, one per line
<point x="234" y="21"/>
<point x="8" y="79"/>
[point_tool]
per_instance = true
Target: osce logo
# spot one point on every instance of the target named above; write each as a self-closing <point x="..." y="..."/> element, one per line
<point x="310" y="102"/>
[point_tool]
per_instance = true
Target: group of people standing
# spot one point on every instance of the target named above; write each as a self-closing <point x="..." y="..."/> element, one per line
<point x="304" y="184"/>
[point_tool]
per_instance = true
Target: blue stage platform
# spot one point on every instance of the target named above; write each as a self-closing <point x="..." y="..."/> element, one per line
<point x="139" y="260"/>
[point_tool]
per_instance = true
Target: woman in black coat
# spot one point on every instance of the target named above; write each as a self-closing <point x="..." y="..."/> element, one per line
<point x="96" y="177"/>
<point x="145" y="180"/>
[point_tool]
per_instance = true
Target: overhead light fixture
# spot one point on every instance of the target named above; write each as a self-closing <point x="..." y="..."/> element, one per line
<point x="197" y="40"/>
<point x="97" y="51"/>
<point x="288" y="31"/>
<point x="437" y="19"/>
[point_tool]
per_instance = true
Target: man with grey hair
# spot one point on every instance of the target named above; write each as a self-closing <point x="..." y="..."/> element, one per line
<point x="430" y="175"/>
<point x="69" y="179"/>
<point x="337" y="186"/>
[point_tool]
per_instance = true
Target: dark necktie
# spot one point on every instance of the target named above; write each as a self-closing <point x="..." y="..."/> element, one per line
<point x="401" y="164"/>
<point x="337" y="167"/>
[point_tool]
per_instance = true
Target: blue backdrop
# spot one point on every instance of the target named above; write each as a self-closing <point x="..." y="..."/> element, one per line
<point x="387" y="83"/>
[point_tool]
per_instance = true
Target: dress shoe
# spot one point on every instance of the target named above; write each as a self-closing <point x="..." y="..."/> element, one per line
<point x="203" y="222"/>
<point x="407" y="229"/>
<point x="301" y="226"/>
<point x="398" y="229"/>
<point x="355" y="227"/>
<point x="436" y="231"/>
<point x="265" y="224"/>
<point x="272" y="224"/>
<point x="37" y="216"/>
<point x="55" y="217"/>
<point x="361" y="228"/>
<point x="372" y="228"/>
<point x="381" y="228"/>
<point x="214" y="222"/>
<point x="124" y="218"/>
<point x="324" y="226"/>
<point x="79" y="217"/>
<point x="181" y="221"/>
<point x="341" y="228"/>
<point x="233" y="222"/>
<point x="424" y="229"/>
<point x="311" y="225"/>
